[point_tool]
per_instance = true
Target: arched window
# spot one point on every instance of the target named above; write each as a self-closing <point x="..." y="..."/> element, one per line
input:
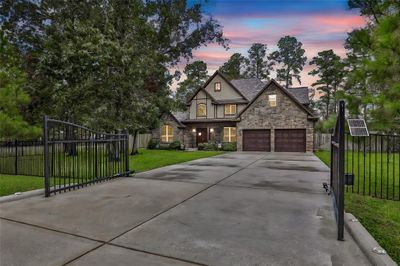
<point x="167" y="133"/>
<point x="201" y="110"/>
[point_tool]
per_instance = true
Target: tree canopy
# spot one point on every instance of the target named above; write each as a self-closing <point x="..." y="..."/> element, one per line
<point x="290" y="58"/>
<point x="105" y="63"/>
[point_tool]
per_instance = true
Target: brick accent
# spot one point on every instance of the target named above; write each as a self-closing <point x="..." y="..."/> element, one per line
<point x="287" y="114"/>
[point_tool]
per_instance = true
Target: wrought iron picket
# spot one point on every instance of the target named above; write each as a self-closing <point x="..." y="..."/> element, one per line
<point x="75" y="156"/>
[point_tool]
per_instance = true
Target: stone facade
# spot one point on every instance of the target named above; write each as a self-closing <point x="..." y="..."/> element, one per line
<point x="178" y="131"/>
<point x="285" y="115"/>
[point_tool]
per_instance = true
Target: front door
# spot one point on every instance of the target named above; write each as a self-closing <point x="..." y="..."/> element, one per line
<point x="201" y="135"/>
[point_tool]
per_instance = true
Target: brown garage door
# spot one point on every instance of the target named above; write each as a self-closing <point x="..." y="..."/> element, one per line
<point x="293" y="140"/>
<point x="256" y="140"/>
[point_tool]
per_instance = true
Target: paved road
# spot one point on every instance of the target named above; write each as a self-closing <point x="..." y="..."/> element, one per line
<point x="233" y="209"/>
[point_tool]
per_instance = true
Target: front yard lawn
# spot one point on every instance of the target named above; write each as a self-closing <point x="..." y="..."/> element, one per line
<point x="9" y="184"/>
<point x="380" y="217"/>
<point x="150" y="159"/>
<point x="145" y="160"/>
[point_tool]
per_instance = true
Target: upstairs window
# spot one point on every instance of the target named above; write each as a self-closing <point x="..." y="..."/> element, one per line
<point x="217" y="86"/>
<point x="272" y="100"/>
<point x="230" y="109"/>
<point x="201" y="110"/>
<point x="167" y="134"/>
<point x="229" y="134"/>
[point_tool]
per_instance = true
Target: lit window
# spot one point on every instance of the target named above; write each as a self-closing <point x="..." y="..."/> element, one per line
<point x="229" y="134"/>
<point x="217" y="86"/>
<point x="167" y="134"/>
<point x="272" y="100"/>
<point x="201" y="110"/>
<point x="230" y="109"/>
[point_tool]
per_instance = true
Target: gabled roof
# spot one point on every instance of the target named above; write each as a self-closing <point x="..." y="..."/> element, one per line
<point x="208" y="82"/>
<point x="300" y="93"/>
<point x="179" y="116"/>
<point x="285" y="91"/>
<point x="249" y="87"/>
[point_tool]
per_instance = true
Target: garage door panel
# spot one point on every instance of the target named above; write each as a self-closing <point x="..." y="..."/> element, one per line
<point x="257" y="140"/>
<point x="290" y="140"/>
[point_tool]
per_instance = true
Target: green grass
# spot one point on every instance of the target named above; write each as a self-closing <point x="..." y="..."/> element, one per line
<point x="9" y="184"/>
<point x="150" y="159"/>
<point x="145" y="160"/>
<point x="380" y="217"/>
<point x="375" y="174"/>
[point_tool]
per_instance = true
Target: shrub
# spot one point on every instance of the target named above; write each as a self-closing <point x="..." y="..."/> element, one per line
<point x="153" y="144"/>
<point x="229" y="146"/>
<point x="210" y="146"/>
<point x="201" y="146"/>
<point x="176" y="145"/>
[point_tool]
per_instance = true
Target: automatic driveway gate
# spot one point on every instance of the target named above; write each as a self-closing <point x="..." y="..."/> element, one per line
<point x="337" y="169"/>
<point x="75" y="156"/>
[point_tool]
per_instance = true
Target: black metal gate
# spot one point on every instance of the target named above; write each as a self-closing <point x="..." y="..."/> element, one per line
<point x="75" y="156"/>
<point x="337" y="169"/>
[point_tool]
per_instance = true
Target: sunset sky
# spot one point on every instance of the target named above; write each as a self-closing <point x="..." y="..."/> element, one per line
<point x="318" y="24"/>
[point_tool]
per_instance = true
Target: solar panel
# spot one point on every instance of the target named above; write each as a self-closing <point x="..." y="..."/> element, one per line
<point x="358" y="127"/>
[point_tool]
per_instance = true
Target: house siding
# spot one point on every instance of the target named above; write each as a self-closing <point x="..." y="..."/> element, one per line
<point x="286" y="115"/>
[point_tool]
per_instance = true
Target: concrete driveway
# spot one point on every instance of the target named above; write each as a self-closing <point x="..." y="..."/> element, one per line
<point x="233" y="209"/>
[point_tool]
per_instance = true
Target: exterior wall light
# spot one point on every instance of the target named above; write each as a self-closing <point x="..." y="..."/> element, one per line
<point x="193" y="130"/>
<point x="199" y="133"/>
<point x="211" y="130"/>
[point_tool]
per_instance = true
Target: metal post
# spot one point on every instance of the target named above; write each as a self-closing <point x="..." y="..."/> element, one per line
<point x="341" y="172"/>
<point x="16" y="157"/>
<point x="126" y="153"/>
<point x="46" y="157"/>
<point x="332" y="147"/>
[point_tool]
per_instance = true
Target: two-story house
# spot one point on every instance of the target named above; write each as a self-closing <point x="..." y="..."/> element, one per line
<point x="257" y="116"/>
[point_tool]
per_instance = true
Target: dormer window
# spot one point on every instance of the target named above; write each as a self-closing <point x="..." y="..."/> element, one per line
<point x="272" y="100"/>
<point x="201" y="110"/>
<point x="217" y="86"/>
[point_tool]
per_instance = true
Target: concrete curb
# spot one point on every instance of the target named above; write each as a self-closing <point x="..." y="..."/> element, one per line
<point x="23" y="195"/>
<point x="366" y="242"/>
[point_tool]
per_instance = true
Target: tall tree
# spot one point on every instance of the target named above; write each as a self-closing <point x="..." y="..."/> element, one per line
<point x="96" y="60"/>
<point x="196" y="75"/>
<point x="13" y="96"/>
<point x="257" y="63"/>
<point x="372" y="84"/>
<point x="290" y="56"/>
<point x="330" y="70"/>
<point x="234" y="68"/>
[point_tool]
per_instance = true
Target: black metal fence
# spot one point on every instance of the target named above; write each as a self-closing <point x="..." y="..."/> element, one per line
<point x="21" y="157"/>
<point x="75" y="156"/>
<point x="337" y="169"/>
<point x="373" y="165"/>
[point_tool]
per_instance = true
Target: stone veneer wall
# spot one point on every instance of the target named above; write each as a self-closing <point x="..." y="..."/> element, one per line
<point x="285" y="115"/>
<point x="169" y="120"/>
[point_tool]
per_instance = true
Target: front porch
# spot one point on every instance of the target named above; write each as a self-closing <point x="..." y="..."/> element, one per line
<point x="196" y="133"/>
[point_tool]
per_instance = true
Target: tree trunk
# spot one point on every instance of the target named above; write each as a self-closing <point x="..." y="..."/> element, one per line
<point x="134" y="146"/>
<point x="327" y="105"/>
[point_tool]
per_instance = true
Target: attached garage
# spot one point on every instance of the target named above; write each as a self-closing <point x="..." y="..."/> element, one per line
<point x="256" y="140"/>
<point x="290" y="140"/>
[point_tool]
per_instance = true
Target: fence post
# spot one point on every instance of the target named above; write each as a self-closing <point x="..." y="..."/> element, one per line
<point x="16" y="157"/>
<point x="46" y="157"/>
<point x="126" y="153"/>
<point x="341" y="171"/>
